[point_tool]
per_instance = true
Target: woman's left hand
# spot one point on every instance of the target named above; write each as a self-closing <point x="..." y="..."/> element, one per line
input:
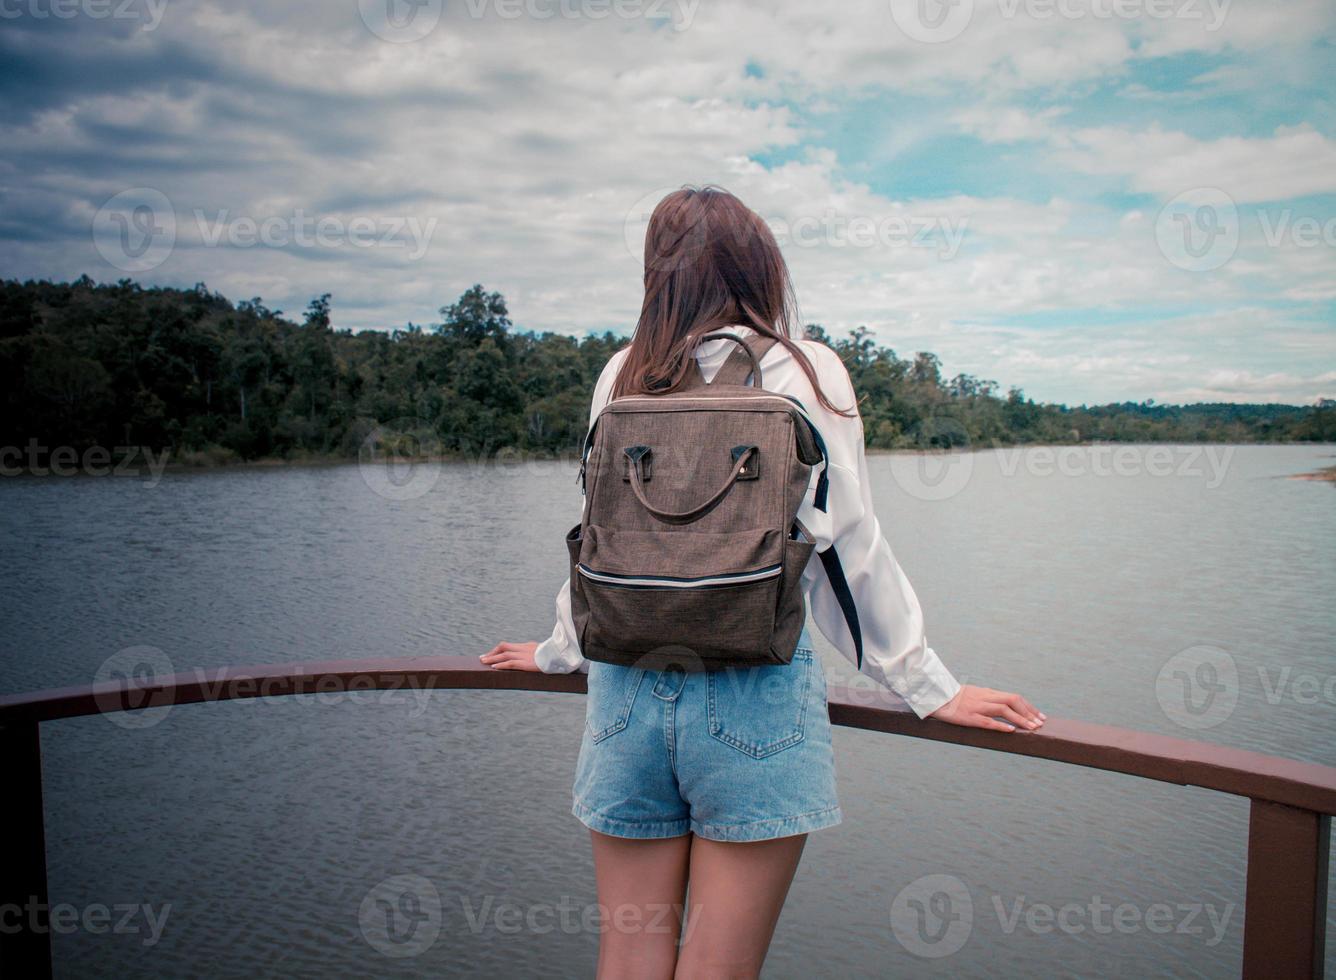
<point x="981" y="707"/>
<point x="511" y="656"/>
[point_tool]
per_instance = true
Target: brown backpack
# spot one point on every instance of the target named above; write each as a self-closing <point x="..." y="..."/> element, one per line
<point x="689" y="552"/>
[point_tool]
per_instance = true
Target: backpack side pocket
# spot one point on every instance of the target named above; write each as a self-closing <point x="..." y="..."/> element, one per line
<point x="579" y="603"/>
<point x="791" y="607"/>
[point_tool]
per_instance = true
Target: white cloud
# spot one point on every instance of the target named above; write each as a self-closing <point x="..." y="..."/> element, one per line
<point x="530" y="143"/>
<point x="1294" y="162"/>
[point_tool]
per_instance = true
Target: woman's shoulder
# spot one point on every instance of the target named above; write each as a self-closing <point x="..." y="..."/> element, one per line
<point x="612" y="366"/>
<point x="822" y="356"/>
<point x="831" y="374"/>
<point x="617" y="357"/>
<point x="607" y="378"/>
<point x="830" y="371"/>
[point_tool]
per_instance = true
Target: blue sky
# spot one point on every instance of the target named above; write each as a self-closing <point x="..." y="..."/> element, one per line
<point x="1091" y="200"/>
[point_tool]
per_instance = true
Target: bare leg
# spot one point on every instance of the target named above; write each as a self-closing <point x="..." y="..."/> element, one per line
<point x="737" y="892"/>
<point x="641" y="887"/>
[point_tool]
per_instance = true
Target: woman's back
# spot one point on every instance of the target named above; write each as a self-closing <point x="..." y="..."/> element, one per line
<point x="718" y="775"/>
<point x="891" y="646"/>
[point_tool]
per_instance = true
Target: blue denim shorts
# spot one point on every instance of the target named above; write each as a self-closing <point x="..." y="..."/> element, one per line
<point x="742" y="754"/>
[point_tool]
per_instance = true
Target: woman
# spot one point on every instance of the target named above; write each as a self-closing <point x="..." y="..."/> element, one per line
<point x="717" y="778"/>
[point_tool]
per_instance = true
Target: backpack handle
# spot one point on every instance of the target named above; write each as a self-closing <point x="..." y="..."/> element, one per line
<point x="746" y="347"/>
<point x="686" y="516"/>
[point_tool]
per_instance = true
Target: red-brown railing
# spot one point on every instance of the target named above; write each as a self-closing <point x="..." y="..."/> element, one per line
<point x="1288" y="834"/>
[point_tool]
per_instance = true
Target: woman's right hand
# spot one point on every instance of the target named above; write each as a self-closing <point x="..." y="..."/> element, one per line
<point x="511" y="656"/>
<point x="980" y="707"/>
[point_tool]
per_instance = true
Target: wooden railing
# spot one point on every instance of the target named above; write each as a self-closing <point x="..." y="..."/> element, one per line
<point x="1288" y="835"/>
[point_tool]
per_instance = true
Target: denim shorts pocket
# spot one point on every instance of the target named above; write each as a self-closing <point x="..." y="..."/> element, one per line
<point x="761" y="710"/>
<point x="612" y="694"/>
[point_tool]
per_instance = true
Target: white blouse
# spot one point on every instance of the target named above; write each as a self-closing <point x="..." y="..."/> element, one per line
<point x="895" y="649"/>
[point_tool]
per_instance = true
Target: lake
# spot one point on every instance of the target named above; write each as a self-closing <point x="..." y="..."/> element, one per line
<point x="257" y="838"/>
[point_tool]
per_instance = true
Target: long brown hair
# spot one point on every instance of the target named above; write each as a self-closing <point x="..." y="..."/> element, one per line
<point x="710" y="263"/>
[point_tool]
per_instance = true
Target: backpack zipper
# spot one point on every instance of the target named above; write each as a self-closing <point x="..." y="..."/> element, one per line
<point x="673" y="582"/>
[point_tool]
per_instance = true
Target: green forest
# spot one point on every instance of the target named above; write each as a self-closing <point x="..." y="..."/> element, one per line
<point x="84" y="364"/>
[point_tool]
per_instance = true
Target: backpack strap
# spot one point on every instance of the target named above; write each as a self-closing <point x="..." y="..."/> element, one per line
<point x="844" y="596"/>
<point x="738" y="368"/>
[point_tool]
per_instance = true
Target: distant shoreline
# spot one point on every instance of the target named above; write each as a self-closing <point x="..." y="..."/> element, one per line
<point x="504" y="456"/>
<point x="196" y="461"/>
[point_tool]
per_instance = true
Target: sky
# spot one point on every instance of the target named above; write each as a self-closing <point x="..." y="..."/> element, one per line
<point x="1092" y="200"/>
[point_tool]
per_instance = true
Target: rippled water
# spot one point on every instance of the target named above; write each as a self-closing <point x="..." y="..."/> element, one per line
<point x="266" y="831"/>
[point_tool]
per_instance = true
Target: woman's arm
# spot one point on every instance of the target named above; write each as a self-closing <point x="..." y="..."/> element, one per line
<point x="895" y="647"/>
<point x="558" y="654"/>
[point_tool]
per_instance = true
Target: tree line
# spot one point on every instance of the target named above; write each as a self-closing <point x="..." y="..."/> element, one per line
<point x="84" y="364"/>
